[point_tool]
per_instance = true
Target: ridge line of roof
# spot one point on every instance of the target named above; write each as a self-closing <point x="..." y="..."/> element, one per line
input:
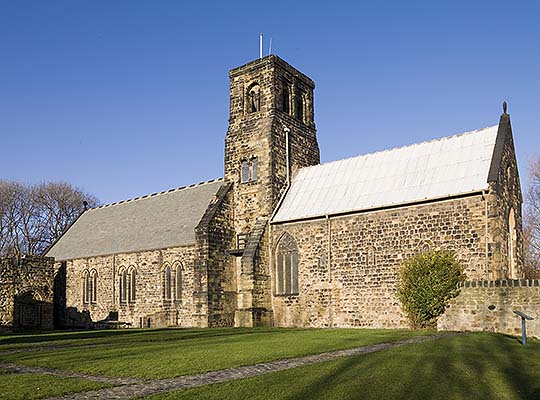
<point x="401" y="147"/>
<point x="157" y="193"/>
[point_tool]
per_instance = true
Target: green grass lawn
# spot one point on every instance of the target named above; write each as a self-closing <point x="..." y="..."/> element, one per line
<point x="472" y="366"/>
<point x="40" y="386"/>
<point x="174" y="352"/>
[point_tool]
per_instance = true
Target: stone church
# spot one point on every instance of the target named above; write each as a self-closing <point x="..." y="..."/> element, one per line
<point x="284" y="240"/>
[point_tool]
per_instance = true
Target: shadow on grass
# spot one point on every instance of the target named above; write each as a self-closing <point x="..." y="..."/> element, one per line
<point x="479" y="366"/>
<point x="148" y="335"/>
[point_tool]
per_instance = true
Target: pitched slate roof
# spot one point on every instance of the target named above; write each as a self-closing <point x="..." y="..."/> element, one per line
<point x="155" y="221"/>
<point x="449" y="166"/>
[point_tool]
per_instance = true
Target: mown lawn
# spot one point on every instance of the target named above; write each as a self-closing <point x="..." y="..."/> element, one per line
<point x="41" y="386"/>
<point x="477" y="366"/>
<point x="173" y="352"/>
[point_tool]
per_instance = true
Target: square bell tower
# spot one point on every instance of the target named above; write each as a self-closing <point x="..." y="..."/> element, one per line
<point x="271" y="135"/>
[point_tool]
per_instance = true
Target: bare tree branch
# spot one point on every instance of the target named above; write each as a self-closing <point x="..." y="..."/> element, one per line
<point x="531" y="226"/>
<point x="32" y="217"/>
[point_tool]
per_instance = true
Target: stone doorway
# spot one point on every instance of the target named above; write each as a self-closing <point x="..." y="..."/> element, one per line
<point x="28" y="311"/>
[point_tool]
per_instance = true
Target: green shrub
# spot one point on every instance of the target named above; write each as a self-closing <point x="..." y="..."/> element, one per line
<point x="427" y="282"/>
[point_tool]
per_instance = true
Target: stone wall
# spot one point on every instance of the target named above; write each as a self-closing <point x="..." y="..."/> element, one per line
<point x="215" y="237"/>
<point x="150" y="307"/>
<point x="489" y="306"/>
<point x="348" y="265"/>
<point x="505" y="183"/>
<point x="26" y="292"/>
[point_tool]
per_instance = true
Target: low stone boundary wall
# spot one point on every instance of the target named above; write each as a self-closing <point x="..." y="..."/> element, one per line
<point x="489" y="306"/>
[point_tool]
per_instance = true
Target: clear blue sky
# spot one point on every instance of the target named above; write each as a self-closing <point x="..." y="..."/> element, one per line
<point x="125" y="98"/>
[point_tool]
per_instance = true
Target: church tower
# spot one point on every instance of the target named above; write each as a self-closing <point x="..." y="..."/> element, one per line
<point x="269" y="100"/>
<point x="271" y="135"/>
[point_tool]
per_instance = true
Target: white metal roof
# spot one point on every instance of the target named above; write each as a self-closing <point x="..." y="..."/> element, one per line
<point x="448" y="166"/>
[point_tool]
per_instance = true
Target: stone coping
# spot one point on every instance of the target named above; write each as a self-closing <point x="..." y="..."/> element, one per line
<point x="500" y="283"/>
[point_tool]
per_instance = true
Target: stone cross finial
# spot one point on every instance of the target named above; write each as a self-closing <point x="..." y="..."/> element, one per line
<point x="505" y="107"/>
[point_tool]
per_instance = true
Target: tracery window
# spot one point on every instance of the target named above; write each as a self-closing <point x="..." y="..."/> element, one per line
<point x="248" y="171"/>
<point x="89" y="286"/>
<point x="287" y="266"/>
<point x="127" y="285"/>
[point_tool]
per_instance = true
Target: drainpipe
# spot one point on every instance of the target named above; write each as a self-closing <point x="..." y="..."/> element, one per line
<point x="114" y="281"/>
<point x="287" y="155"/>
<point x="329" y="261"/>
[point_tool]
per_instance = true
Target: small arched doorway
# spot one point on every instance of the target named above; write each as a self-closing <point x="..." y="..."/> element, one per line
<point x="28" y="311"/>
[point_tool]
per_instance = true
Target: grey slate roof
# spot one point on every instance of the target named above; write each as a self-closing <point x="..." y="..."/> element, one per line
<point x="439" y="168"/>
<point x="161" y="220"/>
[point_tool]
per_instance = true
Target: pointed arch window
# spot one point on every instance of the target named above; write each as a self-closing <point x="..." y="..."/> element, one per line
<point x="92" y="295"/>
<point x="132" y="290"/>
<point x="287" y="266"/>
<point x="167" y="282"/>
<point x="122" y="284"/>
<point x="179" y="282"/>
<point x="85" y="286"/>
<point x="512" y="245"/>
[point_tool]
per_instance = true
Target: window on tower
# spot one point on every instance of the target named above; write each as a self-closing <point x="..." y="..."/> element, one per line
<point x="254" y="98"/>
<point x="299" y="106"/>
<point x="248" y="170"/>
<point x="286" y="98"/>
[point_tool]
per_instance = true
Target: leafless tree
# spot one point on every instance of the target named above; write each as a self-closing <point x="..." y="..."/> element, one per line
<point x="32" y="217"/>
<point x="531" y="226"/>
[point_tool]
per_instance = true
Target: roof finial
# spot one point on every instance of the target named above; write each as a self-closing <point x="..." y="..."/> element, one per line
<point x="505" y="107"/>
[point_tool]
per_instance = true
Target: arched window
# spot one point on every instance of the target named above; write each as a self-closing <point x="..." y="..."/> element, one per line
<point x="254" y="98"/>
<point x="299" y="106"/>
<point x="122" y="285"/>
<point x="93" y="286"/>
<point x="132" y="285"/>
<point x="512" y="245"/>
<point x="287" y="266"/>
<point x="248" y="171"/>
<point x="85" y="287"/>
<point x="179" y="282"/>
<point x="286" y="98"/>
<point x="167" y="278"/>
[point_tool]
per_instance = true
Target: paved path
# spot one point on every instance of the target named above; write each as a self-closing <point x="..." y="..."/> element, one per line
<point x="24" y="369"/>
<point x="137" y="388"/>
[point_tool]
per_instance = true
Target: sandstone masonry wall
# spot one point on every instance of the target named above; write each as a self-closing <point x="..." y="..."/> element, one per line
<point x="26" y="292"/>
<point x="348" y="265"/>
<point x="150" y="306"/>
<point x="489" y="306"/>
<point x="214" y="265"/>
<point x="505" y="183"/>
